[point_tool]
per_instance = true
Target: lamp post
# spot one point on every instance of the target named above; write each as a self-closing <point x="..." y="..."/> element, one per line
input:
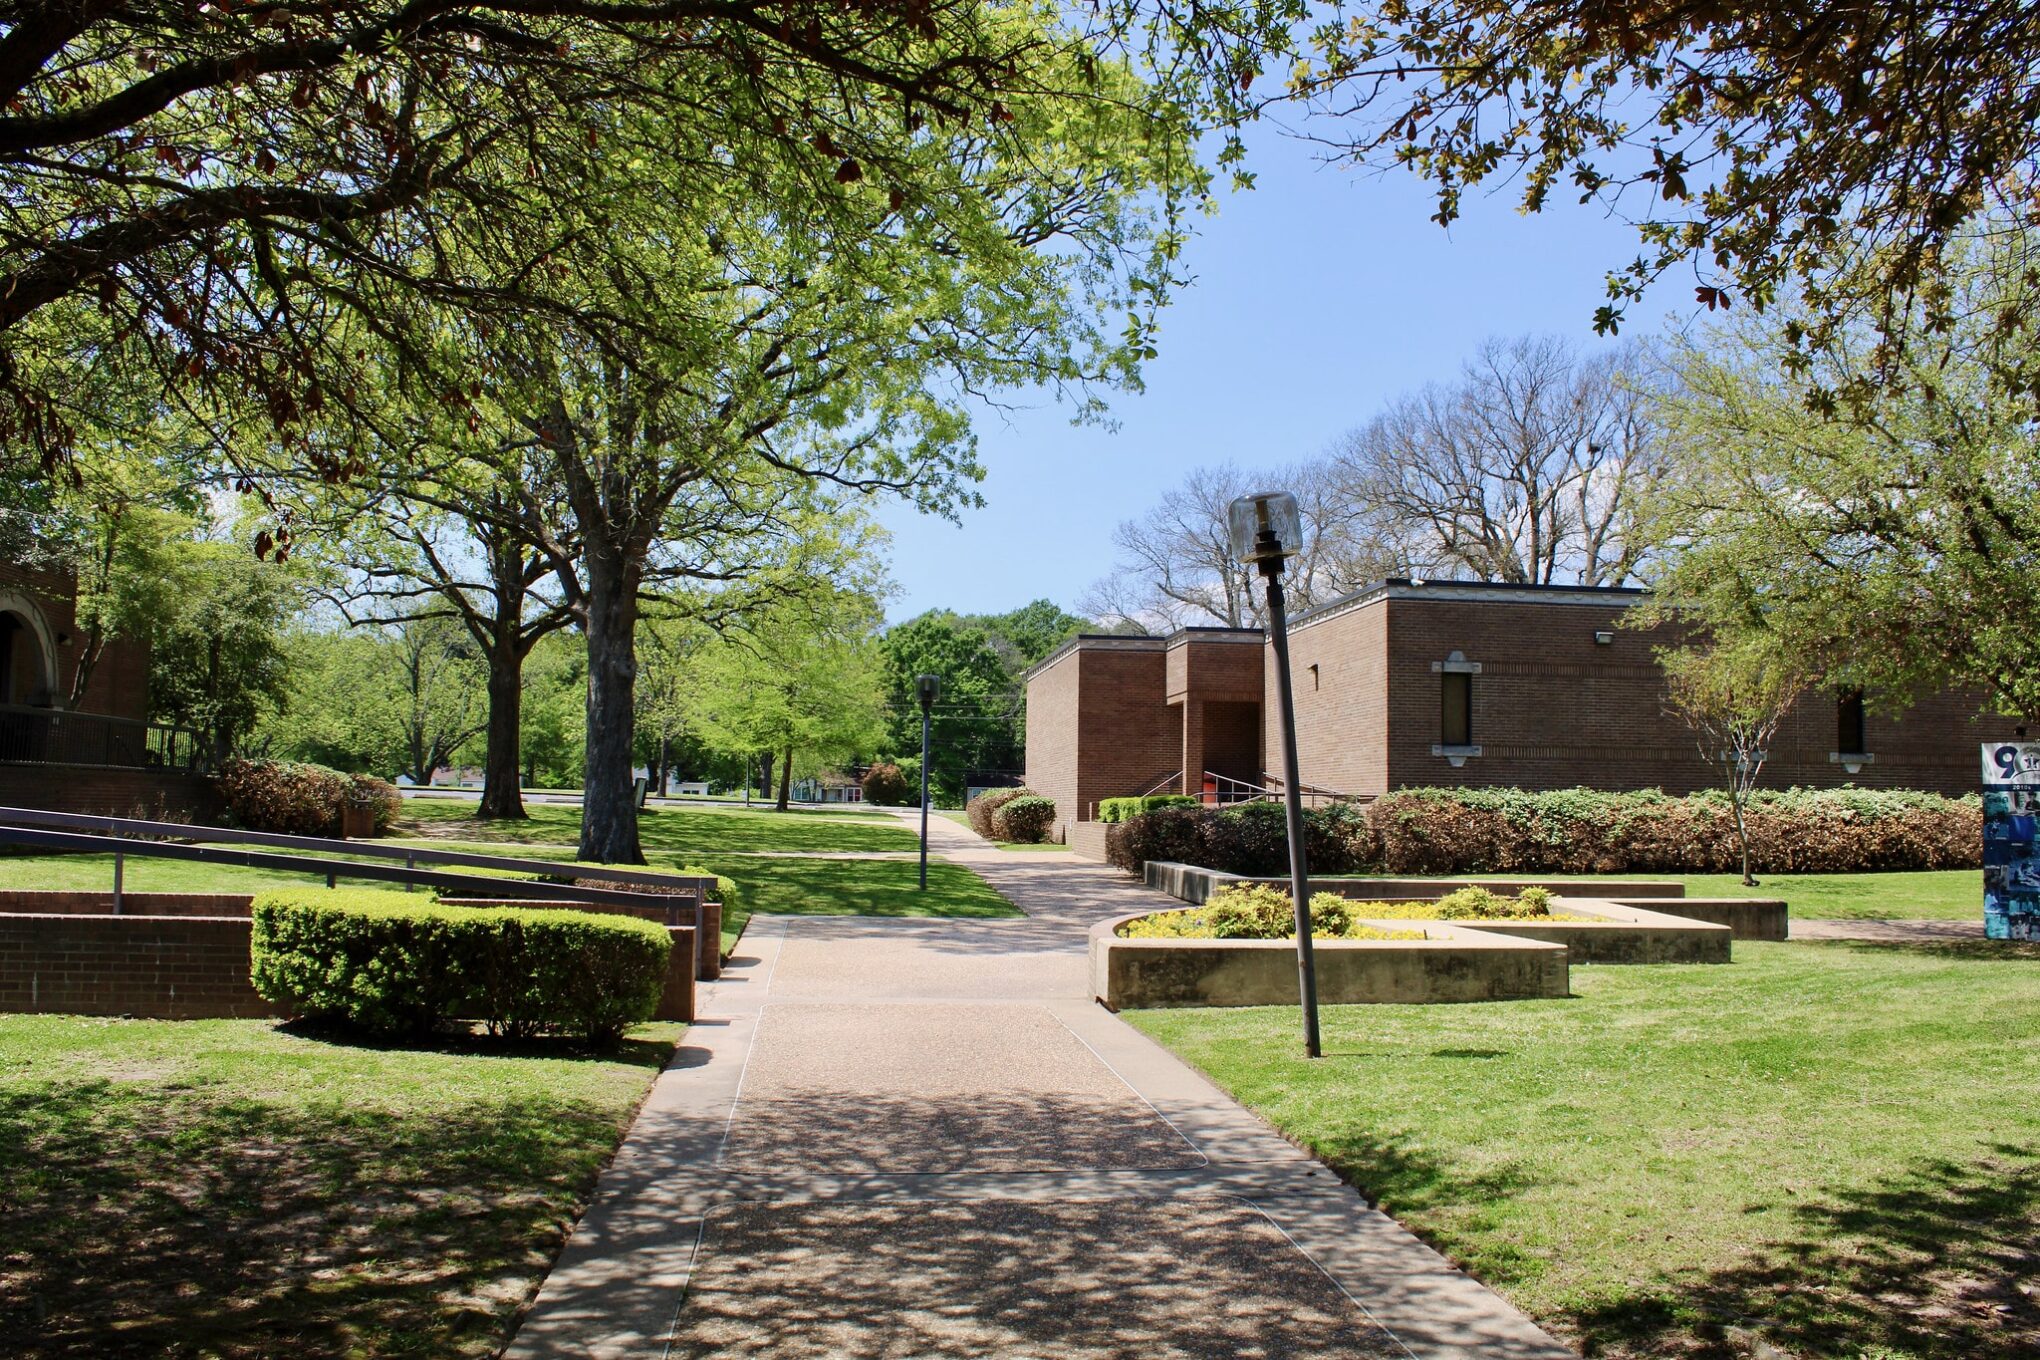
<point x="926" y="687"/>
<point x="1266" y="531"/>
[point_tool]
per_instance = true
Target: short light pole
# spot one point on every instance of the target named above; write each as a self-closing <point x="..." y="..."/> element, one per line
<point x="926" y="687"/>
<point x="1266" y="530"/>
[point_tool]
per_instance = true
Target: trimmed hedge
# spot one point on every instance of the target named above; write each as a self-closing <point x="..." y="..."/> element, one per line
<point x="1025" y="820"/>
<point x="979" y="810"/>
<point x="295" y="799"/>
<point x="1572" y="831"/>
<point x="1122" y="809"/>
<point x="885" y="785"/>
<point x="383" y="963"/>
<point x="1249" y="838"/>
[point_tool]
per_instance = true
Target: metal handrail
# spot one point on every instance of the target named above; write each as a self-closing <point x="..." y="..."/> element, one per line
<point x="1230" y="790"/>
<point x="1175" y="777"/>
<point x="705" y="887"/>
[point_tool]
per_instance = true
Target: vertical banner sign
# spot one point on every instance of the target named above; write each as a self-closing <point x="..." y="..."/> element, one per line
<point x="2011" y="825"/>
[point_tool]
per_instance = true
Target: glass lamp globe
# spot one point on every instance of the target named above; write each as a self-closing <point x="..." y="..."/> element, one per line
<point x="1265" y="526"/>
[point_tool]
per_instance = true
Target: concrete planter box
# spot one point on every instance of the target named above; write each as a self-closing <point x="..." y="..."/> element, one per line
<point x="1620" y="933"/>
<point x="1456" y="964"/>
<point x="1749" y="918"/>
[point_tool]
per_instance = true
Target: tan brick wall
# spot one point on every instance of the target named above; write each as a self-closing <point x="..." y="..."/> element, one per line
<point x="1128" y="738"/>
<point x="1052" y="695"/>
<point x="1339" y="678"/>
<point x="1553" y="708"/>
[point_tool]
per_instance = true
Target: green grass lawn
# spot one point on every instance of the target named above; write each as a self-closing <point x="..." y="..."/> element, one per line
<point x="1835" y="1146"/>
<point x="229" y="1188"/>
<point x="94" y="873"/>
<point x="695" y="831"/>
<point x="1938" y="895"/>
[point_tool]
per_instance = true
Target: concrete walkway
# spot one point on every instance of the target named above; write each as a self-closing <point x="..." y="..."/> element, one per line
<point x="915" y="1138"/>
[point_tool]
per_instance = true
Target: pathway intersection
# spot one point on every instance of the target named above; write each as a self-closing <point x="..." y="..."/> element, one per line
<point x="912" y="1138"/>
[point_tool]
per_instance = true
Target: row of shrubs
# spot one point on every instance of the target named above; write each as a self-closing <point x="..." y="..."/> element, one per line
<point x="1570" y="831"/>
<point x="1121" y="809"/>
<point x="383" y="963"/>
<point x="1018" y="815"/>
<point x="295" y="799"/>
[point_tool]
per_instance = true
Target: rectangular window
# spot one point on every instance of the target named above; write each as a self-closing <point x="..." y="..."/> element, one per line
<point x="1455" y="719"/>
<point x="1850" y="738"/>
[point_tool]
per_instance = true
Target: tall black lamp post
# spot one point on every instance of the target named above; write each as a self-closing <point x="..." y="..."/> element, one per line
<point x="1267" y="531"/>
<point x="926" y="687"/>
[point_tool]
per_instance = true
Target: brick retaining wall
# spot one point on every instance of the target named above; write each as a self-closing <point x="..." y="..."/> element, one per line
<point x="158" y="967"/>
<point x="176" y="967"/>
<point x="38" y="902"/>
<point x="111" y="791"/>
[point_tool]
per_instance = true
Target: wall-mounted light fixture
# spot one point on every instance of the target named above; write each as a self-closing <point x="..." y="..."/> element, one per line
<point x="1603" y="637"/>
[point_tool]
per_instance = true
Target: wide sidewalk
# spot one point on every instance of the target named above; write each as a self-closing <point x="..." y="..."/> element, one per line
<point x="911" y="1138"/>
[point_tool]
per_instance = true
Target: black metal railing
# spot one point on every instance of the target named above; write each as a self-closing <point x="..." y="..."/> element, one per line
<point x="51" y="736"/>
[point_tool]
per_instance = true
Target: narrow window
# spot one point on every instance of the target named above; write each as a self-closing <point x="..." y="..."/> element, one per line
<point x="1455" y="720"/>
<point x="1849" y="735"/>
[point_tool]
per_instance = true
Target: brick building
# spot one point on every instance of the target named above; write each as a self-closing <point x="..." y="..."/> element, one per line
<point x="99" y="754"/>
<point x="1410" y="684"/>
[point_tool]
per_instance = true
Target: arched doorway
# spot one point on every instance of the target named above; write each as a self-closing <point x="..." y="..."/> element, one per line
<point x="28" y="654"/>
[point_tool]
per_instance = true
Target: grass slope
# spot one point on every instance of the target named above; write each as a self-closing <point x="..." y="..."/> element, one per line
<point x="228" y="1188"/>
<point x="94" y="873"/>
<point x="1837" y="1146"/>
<point x="695" y="831"/>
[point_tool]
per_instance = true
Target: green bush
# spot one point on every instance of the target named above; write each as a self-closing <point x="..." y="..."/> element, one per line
<point x="981" y="809"/>
<point x="1025" y="820"/>
<point x="1509" y="831"/>
<point x="885" y="785"/>
<point x="295" y="799"/>
<point x="1256" y="911"/>
<point x="1124" y="809"/>
<point x="383" y="963"/>
<point x="1572" y="831"/>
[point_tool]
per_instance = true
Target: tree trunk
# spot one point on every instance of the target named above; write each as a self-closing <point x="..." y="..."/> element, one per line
<point x="502" y="796"/>
<point x="764" y="780"/>
<point x="665" y="756"/>
<point x="1736" y="799"/>
<point x="786" y="779"/>
<point x="609" y="829"/>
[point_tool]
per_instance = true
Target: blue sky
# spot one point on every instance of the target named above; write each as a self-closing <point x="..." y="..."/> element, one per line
<point x="1319" y="294"/>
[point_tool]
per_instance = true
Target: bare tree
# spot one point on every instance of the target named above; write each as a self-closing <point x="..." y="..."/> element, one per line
<point x="1176" y="567"/>
<point x="1525" y="470"/>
